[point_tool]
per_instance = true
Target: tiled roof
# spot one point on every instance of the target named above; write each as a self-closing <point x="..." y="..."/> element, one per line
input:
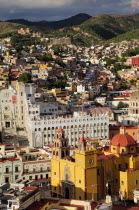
<point x="29" y="188"/>
<point x="99" y="110"/>
<point x="9" y="159"/>
<point x="105" y="157"/>
<point x="122" y="140"/>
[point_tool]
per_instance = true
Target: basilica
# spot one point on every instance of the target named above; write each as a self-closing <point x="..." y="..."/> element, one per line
<point x="91" y="174"/>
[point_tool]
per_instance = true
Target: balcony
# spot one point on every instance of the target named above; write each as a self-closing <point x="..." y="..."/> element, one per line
<point x="8" y="172"/>
<point x="17" y="171"/>
<point x="36" y="171"/>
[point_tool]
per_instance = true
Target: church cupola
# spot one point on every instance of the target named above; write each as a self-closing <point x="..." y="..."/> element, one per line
<point x="122" y="130"/>
<point x="61" y="148"/>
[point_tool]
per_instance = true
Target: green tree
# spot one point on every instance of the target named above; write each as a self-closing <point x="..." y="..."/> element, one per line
<point x="45" y="58"/>
<point x="121" y="105"/>
<point x="56" y="48"/>
<point x="109" y="61"/>
<point x="25" y="78"/>
<point x="133" y="82"/>
<point x="60" y="62"/>
<point x="122" y="59"/>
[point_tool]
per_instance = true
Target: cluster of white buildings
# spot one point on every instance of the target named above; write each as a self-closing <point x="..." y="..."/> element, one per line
<point x="28" y="163"/>
<point x="19" y="110"/>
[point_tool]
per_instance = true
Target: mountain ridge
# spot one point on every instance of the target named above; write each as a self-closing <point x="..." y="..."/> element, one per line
<point x="54" y="25"/>
<point x="84" y="28"/>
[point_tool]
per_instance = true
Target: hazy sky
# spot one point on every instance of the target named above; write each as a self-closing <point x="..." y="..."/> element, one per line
<point x="59" y="9"/>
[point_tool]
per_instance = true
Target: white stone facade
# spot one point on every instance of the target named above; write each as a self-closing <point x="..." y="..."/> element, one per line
<point x="43" y="130"/>
<point x="36" y="170"/>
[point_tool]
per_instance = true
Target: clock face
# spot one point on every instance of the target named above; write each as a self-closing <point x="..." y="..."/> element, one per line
<point x="7" y="108"/>
<point x="90" y="161"/>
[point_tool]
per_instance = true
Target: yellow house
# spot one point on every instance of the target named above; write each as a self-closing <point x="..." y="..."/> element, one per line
<point x="91" y="174"/>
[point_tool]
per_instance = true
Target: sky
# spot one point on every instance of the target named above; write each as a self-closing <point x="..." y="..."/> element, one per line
<point x="50" y="10"/>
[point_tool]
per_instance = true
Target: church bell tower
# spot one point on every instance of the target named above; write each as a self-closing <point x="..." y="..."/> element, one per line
<point x="61" y="148"/>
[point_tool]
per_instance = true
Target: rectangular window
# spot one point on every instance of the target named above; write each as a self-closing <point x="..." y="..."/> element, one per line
<point x="6" y="179"/>
<point x="16" y="177"/>
<point x="22" y="109"/>
<point x="98" y="172"/>
<point x="126" y="165"/>
<point x="30" y="178"/>
<point x="136" y="181"/>
<point x="46" y="176"/>
<point x="54" y="173"/>
<point x="122" y="182"/>
<point x="55" y="188"/>
<point x="80" y="198"/>
<point x="7" y="170"/>
<point x="80" y="181"/>
<point x="16" y="169"/>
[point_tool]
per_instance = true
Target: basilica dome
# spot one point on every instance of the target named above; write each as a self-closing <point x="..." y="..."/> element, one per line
<point x="122" y="140"/>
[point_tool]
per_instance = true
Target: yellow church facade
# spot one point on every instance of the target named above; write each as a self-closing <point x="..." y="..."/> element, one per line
<point x="91" y="174"/>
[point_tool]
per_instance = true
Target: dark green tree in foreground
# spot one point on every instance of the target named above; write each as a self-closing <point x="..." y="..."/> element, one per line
<point x="25" y="78"/>
<point x="121" y="105"/>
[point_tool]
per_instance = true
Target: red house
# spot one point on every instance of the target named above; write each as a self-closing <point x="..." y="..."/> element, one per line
<point x="135" y="61"/>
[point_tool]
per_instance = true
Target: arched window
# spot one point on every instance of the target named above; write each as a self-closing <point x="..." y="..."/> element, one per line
<point x="67" y="152"/>
<point x="57" y="144"/>
<point x="44" y="129"/>
<point x="53" y="152"/>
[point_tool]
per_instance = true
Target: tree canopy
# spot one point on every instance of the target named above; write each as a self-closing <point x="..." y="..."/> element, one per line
<point x="25" y="78"/>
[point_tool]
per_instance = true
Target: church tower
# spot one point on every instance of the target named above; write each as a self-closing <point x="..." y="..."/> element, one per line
<point x="61" y="149"/>
<point x="82" y="144"/>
